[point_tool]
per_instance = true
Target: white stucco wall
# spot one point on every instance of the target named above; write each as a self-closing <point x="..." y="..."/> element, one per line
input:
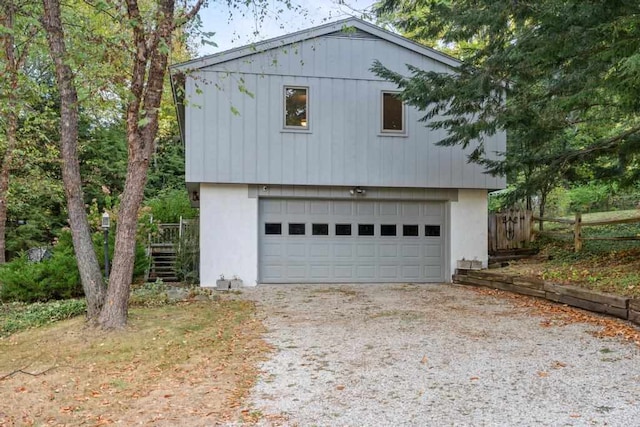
<point x="228" y="234"/>
<point x="469" y="235"/>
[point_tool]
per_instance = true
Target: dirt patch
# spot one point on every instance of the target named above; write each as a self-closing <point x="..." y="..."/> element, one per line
<point x="188" y="364"/>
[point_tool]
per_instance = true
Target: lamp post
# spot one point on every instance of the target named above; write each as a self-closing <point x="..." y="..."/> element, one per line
<point x="106" y="223"/>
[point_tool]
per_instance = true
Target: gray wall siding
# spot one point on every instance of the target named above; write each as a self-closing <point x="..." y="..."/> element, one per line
<point x="330" y="56"/>
<point x="343" y="147"/>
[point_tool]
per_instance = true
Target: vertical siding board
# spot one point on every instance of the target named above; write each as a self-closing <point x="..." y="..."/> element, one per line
<point x="410" y="146"/>
<point x="263" y="105"/>
<point x="300" y="141"/>
<point x="432" y="159"/>
<point x="337" y="129"/>
<point x="308" y="58"/>
<point x="194" y="133"/>
<point x="362" y="139"/>
<point x="238" y="125"/>
<point x="223" y="159"/>
<point x="323" y="131"/>
<point x="211" y="139"/>
<point x="250" y="137"/>
<point x="352" y="155"/>
<point x="274" y="113"/>
<point x="375" y="143"/>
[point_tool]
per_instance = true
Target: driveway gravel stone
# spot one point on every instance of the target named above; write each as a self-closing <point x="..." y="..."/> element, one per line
<point x="422" y="355"/>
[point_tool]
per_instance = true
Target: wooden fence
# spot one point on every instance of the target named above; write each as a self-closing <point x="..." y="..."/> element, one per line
<point x="577" y="225"/>
<point x="509" y="230"/>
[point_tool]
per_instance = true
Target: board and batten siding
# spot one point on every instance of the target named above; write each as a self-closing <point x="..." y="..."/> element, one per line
<point x="343" y="146"/>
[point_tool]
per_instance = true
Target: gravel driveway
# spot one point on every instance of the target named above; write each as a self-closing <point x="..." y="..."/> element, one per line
<point x="409" y="355"/>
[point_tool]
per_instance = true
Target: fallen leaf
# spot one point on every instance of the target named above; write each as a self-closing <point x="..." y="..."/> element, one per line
<point x="340" y="387"/>
<point x="424" y="359"/>
<point x="543" y="374"/>
<point x="474" y="378"/>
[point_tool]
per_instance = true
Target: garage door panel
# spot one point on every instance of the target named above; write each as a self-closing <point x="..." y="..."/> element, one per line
<point x="333" y="254"/>
<point x="272" y="250"/>
<point x="344" y="272"/>
<point x="297" y="271"/>
<point x="389" y="209"/>
<point x="343" y="250"/>
<point x="320" y="272"/>
<point x="433" y="271"/>
<point x="272" y="272"/>
<point x="433" y="209"/>
<point x="365" y="209"/>
<point x="342" y="208"/>
<point x="272" y="208"/>
<point x="411" y="272"/>
<point x="366" y="250"/>
<point x="297" y="250"/>
<point x="296" y="207"/>
<point x="410" y="251"/>
<point x="388" y="250"/>
<point x="432" y="251"/>
<point x="366" y="272"/>
<point x="320" y="250"/>
<point x="388" y="271"/>
<point x="319" y="208"/>
<point x="410" y="210"/>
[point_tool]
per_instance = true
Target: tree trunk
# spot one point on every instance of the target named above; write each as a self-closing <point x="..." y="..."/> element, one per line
<point x="81" y="233"/>
<point x="543" y="206"/>
<point x="142" y="127"/>
<point x="12" y="129"/>
<point x="11" y="118"/>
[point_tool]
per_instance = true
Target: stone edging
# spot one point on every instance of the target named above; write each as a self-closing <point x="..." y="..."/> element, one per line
<point x="598" y="302"/>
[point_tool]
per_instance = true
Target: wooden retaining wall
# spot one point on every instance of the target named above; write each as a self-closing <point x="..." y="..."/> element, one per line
<point x="598" y="302"/>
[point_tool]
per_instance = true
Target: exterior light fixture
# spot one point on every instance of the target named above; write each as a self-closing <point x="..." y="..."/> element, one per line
<point x="357" y="191"/>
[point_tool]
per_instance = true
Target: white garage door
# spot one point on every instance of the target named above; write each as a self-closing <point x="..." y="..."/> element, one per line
<point x="342" y="241"/>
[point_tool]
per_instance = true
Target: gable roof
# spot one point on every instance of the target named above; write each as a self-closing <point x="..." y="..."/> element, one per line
<point x="310" y="33"/>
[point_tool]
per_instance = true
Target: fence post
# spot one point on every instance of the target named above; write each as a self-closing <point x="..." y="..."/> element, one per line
<point x="577" y="236"/>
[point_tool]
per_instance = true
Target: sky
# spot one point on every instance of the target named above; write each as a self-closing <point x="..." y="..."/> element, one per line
<point x="243" y="28"/>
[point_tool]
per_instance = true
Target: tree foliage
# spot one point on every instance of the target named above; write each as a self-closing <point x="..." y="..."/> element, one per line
<point x="570" y="72"/>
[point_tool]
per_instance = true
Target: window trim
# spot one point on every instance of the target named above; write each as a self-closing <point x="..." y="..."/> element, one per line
<point x="391" y="132"/>
<point x="343" y="224"/>
<point x="384" y="229"/>
<point x="313" y="228"/>
<point x="405" y="230"/>
<point x="297" y="224"/>
<point x="362" y="229"/>
<point x="439" y="228"/>
<point x="266" y="226"/>
<point x="289" y="128"/>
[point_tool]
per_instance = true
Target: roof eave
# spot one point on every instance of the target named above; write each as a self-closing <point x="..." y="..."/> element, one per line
<point x="310" y="33"/>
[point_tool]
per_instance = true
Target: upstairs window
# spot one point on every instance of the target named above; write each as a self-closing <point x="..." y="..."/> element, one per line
<point x="296" y="107"/>
<point x="392" y="113"/>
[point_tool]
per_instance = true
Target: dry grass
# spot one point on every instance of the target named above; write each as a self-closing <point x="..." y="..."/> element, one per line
<point x="187" y="364"/>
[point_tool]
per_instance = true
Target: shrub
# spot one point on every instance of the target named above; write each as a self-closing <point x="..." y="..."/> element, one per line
<point x="168" y="206"/>
<point x="149" y="295"/>
<point x="58" y="277"/>
<point x="52" y="279"/>
<point x="16" y="317"/>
